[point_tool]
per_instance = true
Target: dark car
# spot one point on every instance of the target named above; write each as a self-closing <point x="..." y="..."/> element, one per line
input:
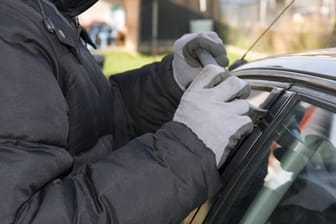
<point x="285" y="170"/>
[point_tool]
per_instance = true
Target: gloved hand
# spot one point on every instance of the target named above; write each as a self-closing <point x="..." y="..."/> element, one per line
<point x="211" y="109"/>
<point x="186" y="65"/>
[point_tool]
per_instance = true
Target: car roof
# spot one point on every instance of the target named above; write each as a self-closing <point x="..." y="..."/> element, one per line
<point x="321" y="63"/>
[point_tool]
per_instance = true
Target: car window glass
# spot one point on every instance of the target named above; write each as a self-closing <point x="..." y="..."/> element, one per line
<point x="293" y="177"/>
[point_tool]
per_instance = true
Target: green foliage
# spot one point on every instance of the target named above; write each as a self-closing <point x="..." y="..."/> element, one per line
<point x="121" y="61"/>
<point x="224" y="32"/>
<point x="227" y="33"/>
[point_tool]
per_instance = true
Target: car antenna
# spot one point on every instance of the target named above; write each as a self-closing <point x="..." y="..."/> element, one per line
<point x="242" y="60"/>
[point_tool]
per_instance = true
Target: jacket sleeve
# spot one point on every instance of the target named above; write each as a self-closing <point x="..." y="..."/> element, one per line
<point x="153" y="179"/>
<point x="149" y="96"/>
<point x="156" y="178"/>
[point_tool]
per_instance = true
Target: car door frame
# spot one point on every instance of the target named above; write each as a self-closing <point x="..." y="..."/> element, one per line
<point x="294" y="90"/>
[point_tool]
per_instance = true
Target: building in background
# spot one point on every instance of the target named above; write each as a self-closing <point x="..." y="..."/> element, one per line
<point x="153" y="25"/>
<point x="173" y="18"/>
<point x="305" y="25"/>
<point x="262" y="12"/>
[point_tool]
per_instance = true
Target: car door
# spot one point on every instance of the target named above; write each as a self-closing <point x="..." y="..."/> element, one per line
<point x="263" y="95"/>
<point x="284" y="171"/>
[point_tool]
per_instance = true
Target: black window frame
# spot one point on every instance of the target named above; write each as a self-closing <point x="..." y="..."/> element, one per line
<point x="323" y="98"/>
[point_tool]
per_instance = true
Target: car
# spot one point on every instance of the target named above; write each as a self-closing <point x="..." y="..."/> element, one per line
<point x="102" y="34"/>
<point x="285" y="170"/>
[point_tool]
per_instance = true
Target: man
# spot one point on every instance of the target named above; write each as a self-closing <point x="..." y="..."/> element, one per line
<point x="77" y="148"/>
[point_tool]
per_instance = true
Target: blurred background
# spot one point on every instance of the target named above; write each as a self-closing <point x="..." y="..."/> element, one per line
<point x="131" y="33"/>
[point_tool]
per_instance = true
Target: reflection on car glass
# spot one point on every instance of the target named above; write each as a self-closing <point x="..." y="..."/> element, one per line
<point x="292" y="179"/>
<point x="299" y="186"/>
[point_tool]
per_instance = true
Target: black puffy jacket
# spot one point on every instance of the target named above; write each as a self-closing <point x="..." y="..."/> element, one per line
<point x="61" y="121"/>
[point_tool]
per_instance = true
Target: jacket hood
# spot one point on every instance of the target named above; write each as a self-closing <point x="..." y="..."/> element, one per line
<point x="73" y="7"/>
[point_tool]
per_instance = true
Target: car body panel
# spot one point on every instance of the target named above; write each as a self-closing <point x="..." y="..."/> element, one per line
<point x="320" y="63"/>
<point x="306" y="77"/>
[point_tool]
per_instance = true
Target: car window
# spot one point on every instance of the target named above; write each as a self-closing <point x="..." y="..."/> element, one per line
<point x="292" y="178"/>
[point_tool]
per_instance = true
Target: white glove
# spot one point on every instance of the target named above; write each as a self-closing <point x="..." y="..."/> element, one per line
<point x="210" y="108"/>
<point x="186" y="65"/>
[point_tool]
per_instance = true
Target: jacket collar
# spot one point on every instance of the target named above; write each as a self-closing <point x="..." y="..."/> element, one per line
<point x="73" y="7"/>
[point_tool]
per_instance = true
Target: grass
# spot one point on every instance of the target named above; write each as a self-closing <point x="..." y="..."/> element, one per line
<point x="120" y="61"/>
<point x="117" y="61"/>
